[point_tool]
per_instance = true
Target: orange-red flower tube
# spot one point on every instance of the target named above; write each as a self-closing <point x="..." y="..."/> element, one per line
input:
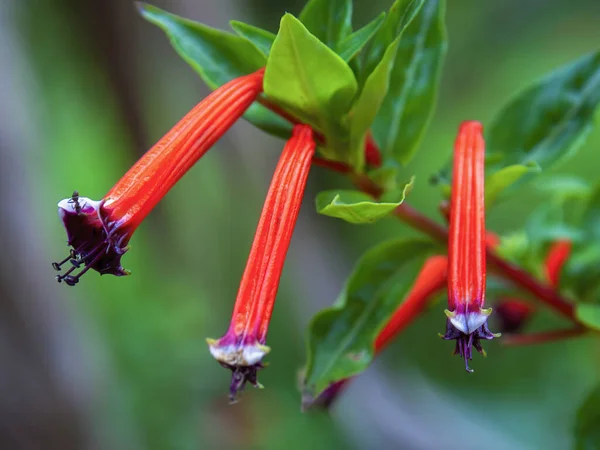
<point x="466" y="318"/>
<point x="557" y="256"/>
<point x="99" y="231"/>
<point x="243" y="346"/>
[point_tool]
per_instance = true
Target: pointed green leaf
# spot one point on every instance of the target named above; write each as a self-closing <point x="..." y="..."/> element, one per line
<point x="262" y="39"/>
<point x="499" y="181"/>
<point x="218" y="57"/>
<point x="587" y="422"/>
<point x="329" y="20"/>
<point x="589" y="315"/>
<point x="349" y="47"/>
<point x="551" y="119"/>
<point x="398" y="18"/>
<point x="341" y="338"/>
<point x="354" y="206"/>
<point x="307" y="78"/>
<point x="369" y="101"/>
<point x="410" y="101"/>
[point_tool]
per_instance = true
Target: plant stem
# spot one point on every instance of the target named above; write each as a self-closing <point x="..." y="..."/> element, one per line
<point x="543" y="337"/>
<point x="419" y="221"/>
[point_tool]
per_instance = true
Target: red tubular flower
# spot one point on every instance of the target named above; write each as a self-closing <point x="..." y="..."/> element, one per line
<point x="243" y="346"/>
<point x="99" y="231"/>
<point x="431" y="280"/>
<point x="466" y="319"/>
<point x="555" y="260"/>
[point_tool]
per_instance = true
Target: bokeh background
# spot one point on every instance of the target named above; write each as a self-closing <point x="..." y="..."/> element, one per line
<point x="85" y="87"/>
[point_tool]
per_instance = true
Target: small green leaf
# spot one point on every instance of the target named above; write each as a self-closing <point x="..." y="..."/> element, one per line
<point x="551" y="119"/>
<point x="587" y="422"/>
<point x="329" y="20"/>
<point x="307" y="78"/>
<point x="400" y="15"/>
<point x="369" y="101"/>
<point x="499" y="181"/>
<point x="410" y="101"/>
<point x="341" y="338"/>
<point x="262" y="39"/>
<point x="357" y="207"/>
<point x="349" y="47"/>
<point x="218" y="57"/>
<point x="589" y="315"/>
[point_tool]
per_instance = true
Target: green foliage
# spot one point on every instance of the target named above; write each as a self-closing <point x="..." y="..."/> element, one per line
<point x="330" y="21"/>
<point x="401" y="13"/>
<point x="410" y="101"/>
<point x="311" y="81"/>
<point x="262" y="39"/>
<point x="549" y="120"/>
<point x="218" y="57"/>
<point x="341" y="338"/>
<point x="589" y="315"/>
<point x="356" y="207"/>
<point x="352" y="44"/>
<point x="498" y="182"/>
<point x="368" y="103"/>
<point x="587" y="424"/>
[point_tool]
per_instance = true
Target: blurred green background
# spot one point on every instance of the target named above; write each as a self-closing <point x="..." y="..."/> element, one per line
<point x="85" y="87"/>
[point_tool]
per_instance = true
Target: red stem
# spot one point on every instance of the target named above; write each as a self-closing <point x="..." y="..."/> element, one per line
<point x="419" y="221"/>
<point x="543" y="337"/>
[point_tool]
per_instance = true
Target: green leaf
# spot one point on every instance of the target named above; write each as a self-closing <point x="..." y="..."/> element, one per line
<point x="311" y="81"/>
<point x="589" y="315"/>
<point x="218" y="57"/>
<point x="349" y="47"/>
<point x="398" y="18"/>
<point x="587" y="422"/>
<point x="410" y="101"/>
<point x="369" y="101"/>
<point x="551" y="119"/>
<point x="330" y="21"/>
<point x="499" y="181"/>
<point x="548" y="222"/>
<point x="341" y="338"/>
<point x="261" y="39"/>
<point x="357" y="207"/>
<point x="352" y="206"/>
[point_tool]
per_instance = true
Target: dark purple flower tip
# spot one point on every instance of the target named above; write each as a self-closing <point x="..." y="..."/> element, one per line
<point x="96" y="242"/>
<point x="240" y="375"/>
<point x="465" y="342"/>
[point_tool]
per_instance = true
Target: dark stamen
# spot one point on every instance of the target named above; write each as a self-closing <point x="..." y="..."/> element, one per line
<point x="89" y="259"/>
<point x="56" y="265"/>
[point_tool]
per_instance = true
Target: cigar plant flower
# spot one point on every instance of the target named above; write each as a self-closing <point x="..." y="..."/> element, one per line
<point x="466" y="318"/>
<point x="98" y="232"/>
<point x="243" y="347"/>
